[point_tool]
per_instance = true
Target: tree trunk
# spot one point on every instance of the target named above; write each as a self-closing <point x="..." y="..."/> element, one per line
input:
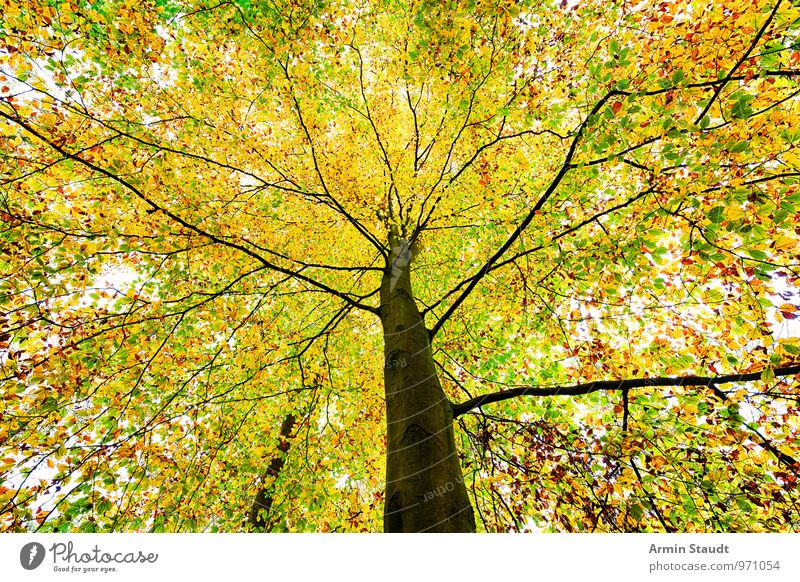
<point x="425" y="489"/>
<point x="260" y="518"/>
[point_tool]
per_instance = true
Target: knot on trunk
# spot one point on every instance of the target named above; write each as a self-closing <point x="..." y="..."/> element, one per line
<point x="414" y="434"/>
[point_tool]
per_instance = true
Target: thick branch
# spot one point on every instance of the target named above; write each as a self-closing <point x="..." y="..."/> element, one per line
<point x="492" y="263"/>
<point x="156" y="207"/>
<point x="565" y="167"/>
<point x="614" y="385"/>
<point x="521" y="254"/>
<point x="739" y="63"/>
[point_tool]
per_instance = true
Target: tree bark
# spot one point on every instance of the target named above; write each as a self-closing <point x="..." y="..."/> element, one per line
<point x="425" y="489"/>
<point x="260" y="518"/>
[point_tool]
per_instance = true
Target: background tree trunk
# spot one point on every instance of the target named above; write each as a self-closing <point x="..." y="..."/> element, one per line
<point x="260" y="518"/>
<point x="425" y="489"/>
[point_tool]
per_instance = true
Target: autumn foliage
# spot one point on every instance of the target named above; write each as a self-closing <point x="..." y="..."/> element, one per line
<point x="199" y="200"/>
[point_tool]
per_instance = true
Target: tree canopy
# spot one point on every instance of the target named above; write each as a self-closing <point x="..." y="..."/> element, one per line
<point x="199" y="202"/>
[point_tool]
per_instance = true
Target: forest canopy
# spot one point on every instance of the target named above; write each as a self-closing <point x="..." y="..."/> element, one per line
<point x="335" y="265"/>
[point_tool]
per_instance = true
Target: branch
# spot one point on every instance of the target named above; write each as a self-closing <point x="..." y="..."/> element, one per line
<point x="562" y="234"/>
<point x="212" y="237"/>
<point x="487" y="266"/>
<point x="492" y="263"/>
<point x="262" y="505"/>
<point x="369" y="114"/>
<point x="744" y="57"/>
<point x="613" y="386"/>
<point x="318" y="170"/>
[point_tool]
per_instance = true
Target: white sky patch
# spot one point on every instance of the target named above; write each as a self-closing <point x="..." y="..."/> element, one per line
<point x="785" y="328"/>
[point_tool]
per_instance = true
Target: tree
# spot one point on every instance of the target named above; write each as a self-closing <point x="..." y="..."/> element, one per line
<point x="536" y="256"/>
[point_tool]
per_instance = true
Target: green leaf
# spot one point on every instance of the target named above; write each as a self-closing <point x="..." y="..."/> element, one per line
<point x="740" y="147"/>
<point x="716" y="214"/>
